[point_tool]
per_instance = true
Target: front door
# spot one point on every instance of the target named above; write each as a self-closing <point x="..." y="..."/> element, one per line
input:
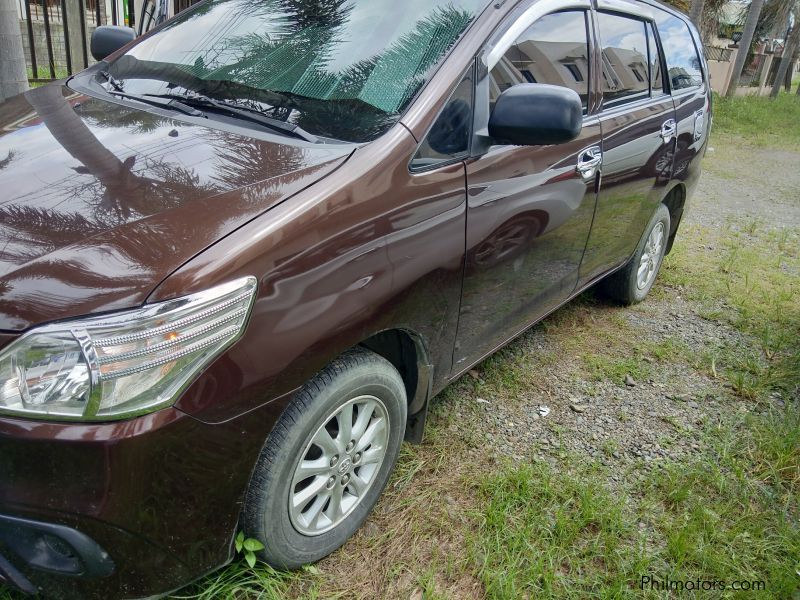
<point x="529" y="209"/>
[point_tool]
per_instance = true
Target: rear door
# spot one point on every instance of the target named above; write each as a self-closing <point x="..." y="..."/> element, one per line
<point x="639" y="132"/>
<point x="688" y="82"/>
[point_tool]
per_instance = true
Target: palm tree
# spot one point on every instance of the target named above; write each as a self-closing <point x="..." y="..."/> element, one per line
<point x="696" y="12"/>
<point x="789" y="49"/>
<point x="744" y="45"/>
<point x="13" y="74"/>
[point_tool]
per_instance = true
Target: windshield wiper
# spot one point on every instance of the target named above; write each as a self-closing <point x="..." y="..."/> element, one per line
<point x="243" y="112"/>
<point x="173" y="104"/>
<point x="113" y="82"/>
<point x="169" y="104"/>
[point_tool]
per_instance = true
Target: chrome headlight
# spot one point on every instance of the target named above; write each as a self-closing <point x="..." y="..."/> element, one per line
<point x="125" y="364"/>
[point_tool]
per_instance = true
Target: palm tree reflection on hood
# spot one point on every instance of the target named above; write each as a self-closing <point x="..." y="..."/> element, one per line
<point x="4" y="162"/>
<point x="114" y="193"/>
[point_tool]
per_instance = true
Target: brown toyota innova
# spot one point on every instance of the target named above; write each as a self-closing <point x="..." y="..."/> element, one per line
<point x="240" y="255"/>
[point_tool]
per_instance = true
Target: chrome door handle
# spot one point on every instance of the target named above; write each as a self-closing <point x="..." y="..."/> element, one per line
<point x="589" y="162"/>
<point x="668" y="130"/>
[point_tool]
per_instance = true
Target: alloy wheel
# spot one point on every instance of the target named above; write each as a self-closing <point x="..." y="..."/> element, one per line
<point x="651" y="257"/>
<point x="338" y="465"/>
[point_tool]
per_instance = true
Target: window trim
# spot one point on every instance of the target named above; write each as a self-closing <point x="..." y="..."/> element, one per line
<point x="665" y="66"/>
<point x="505" y="36"/>
<point x="498" y="46"/>
<point x="446" y="162"/>
<point x="632" y="16"/>
<point x="652" y="29"/>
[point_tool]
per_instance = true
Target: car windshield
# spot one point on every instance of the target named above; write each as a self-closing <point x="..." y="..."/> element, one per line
<point x="341" y="69"/>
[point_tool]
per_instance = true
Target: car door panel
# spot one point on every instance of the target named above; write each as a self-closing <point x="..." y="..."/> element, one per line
<point x="529" y="213"/>
<point x="638" y="124"/>
<point x="636" y="167"/>
<point x="689" y="85"/>
<point x="529" y="209"/>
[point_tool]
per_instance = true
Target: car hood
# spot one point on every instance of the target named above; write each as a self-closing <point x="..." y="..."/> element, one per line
<point x="100" y="202"/>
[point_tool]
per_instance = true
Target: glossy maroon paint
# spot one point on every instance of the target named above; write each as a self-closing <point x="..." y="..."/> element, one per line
<point x="346" y="243"/>
<point x="102" y="201"/>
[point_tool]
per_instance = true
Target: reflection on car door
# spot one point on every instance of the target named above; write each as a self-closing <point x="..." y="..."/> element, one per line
<point x="638" y="123"/>
<point x="691" y="96"/>
<point x="529" y="209"/>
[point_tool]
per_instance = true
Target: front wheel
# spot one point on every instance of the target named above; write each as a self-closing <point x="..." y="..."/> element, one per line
<point x="632" y="283"/>
<point x="327" y="460"/>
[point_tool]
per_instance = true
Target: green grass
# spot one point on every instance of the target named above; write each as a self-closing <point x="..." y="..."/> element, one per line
<point x="752" y="282"/>
<point x="547" y="533"/>
<point x="44" y="73"/>
<point x="759" y="120"/>
<point x="238" y="580"/>
<point x="732" y="514"/>
<point x="729" y="515"/>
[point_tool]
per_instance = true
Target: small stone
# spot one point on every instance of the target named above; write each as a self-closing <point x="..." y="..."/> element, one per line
<point x="629" y="381"/>
<point x="474" y="374"/>
<point x="578" y="408"/>
<point x="693" y="405"/>
<point x="371" y="529"/>
<point x="615" y="454"/>
<point x="482" y="401"/>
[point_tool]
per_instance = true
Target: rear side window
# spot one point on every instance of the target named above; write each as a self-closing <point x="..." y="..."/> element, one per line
<point x="626" y="71"/>
<point x="554" y="50"/>
<point x="683" y="62"/>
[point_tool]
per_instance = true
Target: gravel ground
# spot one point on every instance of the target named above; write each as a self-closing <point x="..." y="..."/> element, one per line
<point x="636" y="423"/>
<point x="759" y="183"/>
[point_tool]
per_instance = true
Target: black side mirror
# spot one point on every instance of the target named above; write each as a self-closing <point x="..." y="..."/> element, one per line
<point x="534" y="114"/>
<point x="107" y="39"/>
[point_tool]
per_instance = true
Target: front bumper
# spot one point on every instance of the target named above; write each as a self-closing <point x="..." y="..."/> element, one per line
<point x="155" y="500"/>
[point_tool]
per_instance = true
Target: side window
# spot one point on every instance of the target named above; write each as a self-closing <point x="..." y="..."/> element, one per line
<point x="554" y="50"/>
<point x="683" y="62"/>
<point x="626" y="72"/>
<point x="656" y="81"/>
<point x="449" y="137"/>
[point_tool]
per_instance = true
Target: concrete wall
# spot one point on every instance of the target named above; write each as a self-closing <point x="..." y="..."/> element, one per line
<point x="720" y="72"/>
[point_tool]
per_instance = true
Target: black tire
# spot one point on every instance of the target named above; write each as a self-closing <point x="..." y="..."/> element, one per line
<point x="266" y="513"/>
<point x="622" y="285"/>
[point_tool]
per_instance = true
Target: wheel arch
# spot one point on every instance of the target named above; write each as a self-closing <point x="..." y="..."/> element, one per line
<point x="407" y="352"/>
<point x="675" y="201"/>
